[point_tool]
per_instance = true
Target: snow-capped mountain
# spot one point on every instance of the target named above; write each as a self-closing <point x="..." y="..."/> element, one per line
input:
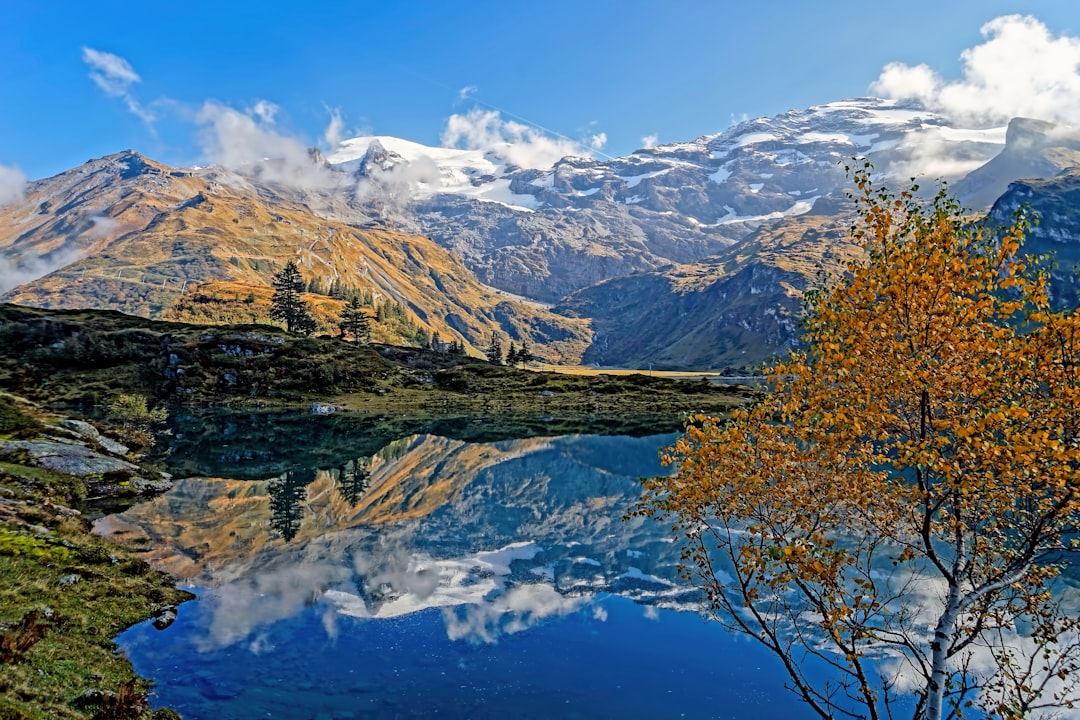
<point x="690" y="254"/>
<point x="546" y="232"/>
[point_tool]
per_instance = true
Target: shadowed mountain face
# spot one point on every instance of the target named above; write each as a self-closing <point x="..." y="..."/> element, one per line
<point x="1056" y="202"/>
<point x="734" y="309"/>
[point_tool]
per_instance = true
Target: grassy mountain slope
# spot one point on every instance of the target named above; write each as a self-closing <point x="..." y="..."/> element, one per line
<point x="133" y="235"/>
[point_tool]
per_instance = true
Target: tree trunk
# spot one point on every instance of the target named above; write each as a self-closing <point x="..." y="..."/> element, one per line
<point x="939" y="668"/>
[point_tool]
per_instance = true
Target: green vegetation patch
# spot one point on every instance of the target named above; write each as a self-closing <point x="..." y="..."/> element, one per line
<point x="16" y="423"/>
<point x="64" y="594"/>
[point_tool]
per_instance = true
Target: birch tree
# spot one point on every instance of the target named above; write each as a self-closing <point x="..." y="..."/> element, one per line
<point x="893" y="520"/>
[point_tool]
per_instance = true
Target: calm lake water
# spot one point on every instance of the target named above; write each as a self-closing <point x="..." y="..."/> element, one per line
<point x="428" y="576"/>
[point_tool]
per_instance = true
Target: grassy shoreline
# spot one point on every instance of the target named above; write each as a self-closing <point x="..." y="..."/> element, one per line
<point x="64" y="594"/>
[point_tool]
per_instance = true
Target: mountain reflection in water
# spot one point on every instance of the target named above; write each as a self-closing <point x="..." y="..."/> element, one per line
<point x="402" y="583"/>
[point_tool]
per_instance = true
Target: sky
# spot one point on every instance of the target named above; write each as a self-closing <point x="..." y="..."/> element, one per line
<point x="227" y="82"/>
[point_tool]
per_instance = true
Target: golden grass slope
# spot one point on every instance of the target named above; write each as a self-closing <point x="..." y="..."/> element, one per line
<point x="133" y="235"/>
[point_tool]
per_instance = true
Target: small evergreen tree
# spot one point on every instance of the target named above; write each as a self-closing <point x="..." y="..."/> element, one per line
<point x="495" y="351"/>
<point x="525" y="355"/>
<point x="286" y="303"/>
<point x="436" y="342"/>
<point x="287" y="494"/>
<point x="356" y="322"/>
<point x="421" y="338"/>
<point x="512" y="355"/>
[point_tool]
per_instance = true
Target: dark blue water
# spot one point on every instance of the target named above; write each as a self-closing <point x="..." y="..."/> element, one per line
<point x="612" y="658"/>
<point x="438" y="578"/>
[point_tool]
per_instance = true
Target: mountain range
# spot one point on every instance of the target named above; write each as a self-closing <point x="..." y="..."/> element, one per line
<point x="684" y="255"/>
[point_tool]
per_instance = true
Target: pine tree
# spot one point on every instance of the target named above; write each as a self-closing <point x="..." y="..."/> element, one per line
<point x="356" y="322"/>
<point x="354" y="478"/>
<point x="436" y="342"/>
<point x="286" y="303"/>
<point x="525" y="355"/>
<point x="494" y="351"/>
<point x="421" y="338"/>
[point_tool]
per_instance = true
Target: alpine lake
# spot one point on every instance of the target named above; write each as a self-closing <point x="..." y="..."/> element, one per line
<point x="471" y="568"/>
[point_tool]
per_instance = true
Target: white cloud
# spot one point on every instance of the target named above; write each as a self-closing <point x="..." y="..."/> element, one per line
<point x="115" y="76"/>
<point x="102" y="227"/>
<point x="467" y="92"/>
<point x="649" y="141"/>
<point x="249" y="142"/>
<point x="335" y="129"/>
<point x="15" y="273"/>
<point x="12" y="185"/>
<point x="1021" y="69"/>
<point x="516" y="143"/>
<point x="266" y="111"/>
<point x="930" y="152"/>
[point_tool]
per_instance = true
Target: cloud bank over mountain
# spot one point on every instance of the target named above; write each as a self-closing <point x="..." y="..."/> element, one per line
<point x="1021" y="70"/>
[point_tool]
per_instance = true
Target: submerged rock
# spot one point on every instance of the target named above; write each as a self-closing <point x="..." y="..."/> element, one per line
<point x="164" y="617"/>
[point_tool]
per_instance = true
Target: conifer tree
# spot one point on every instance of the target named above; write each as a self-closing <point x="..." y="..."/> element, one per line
<point x="356" y="322"/>
<point x="286" y="303"/>
<point x="524" y="354"/>
<point x="495" y="351"/>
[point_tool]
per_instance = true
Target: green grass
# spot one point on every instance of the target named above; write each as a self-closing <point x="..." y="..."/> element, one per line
<point x="56" y="633"/>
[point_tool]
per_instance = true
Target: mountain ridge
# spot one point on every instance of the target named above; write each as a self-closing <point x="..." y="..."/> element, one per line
<point x="691" y="254"/>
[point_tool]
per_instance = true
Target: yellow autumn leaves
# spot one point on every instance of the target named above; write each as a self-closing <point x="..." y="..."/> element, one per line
<point x="931" y="424"/>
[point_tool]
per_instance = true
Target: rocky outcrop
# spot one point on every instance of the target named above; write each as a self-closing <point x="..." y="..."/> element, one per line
<point x="1055" y="201"/>
<point x="104" y="475"/>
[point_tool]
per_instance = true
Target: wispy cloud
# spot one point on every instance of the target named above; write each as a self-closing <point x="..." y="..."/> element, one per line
<point x="1022" y="69"/>
<point x="115" y="76"/>
<point x="15" y="272"/>
<point x="248" y="141"/>
<point x="516" y="143"/>
<point x="467" y="92"/>
<point x="649" y="141"/>
<point x="335" y="129"/>
<point x="12" y="185"/>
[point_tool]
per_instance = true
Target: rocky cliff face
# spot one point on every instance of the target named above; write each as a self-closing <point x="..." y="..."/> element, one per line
<point x="1055" y="201"/>
<point x="1033" y="149"/>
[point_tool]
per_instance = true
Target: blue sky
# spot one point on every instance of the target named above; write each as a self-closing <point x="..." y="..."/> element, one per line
<point x="608" y="75"/>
